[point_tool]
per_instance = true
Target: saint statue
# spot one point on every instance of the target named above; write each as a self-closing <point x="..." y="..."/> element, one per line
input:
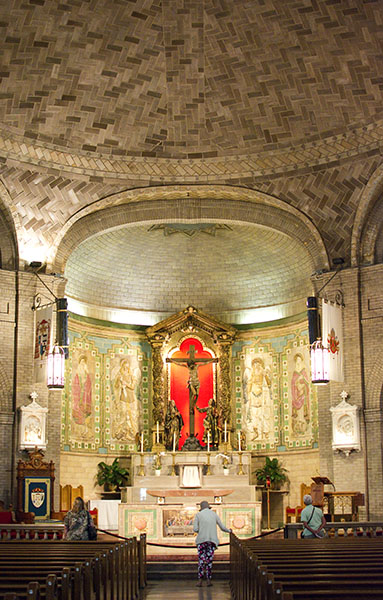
<point x="192" y="364"/>
<point x="210" y="423"/>
<point x="173" y="425"/>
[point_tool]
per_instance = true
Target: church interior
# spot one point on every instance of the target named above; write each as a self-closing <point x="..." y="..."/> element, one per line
<point x="177" y="179"/>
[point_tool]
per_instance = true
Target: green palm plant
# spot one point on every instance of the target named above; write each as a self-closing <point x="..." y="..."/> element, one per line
<point x="272" y="471"/>
<point x="111" y="476"/>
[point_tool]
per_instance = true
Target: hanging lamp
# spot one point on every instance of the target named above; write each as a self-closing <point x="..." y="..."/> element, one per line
<point x="55" y="367"/>
<point x="320" y="364"/>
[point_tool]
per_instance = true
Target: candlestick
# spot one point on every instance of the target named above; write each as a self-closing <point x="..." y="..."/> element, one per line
<point x="173" y="463"/>
<point x="174" y="441"/>
<point x="141" y="471"/>
<point x="208" y="441"/>
<point x="240" y="469"/>
<point x="208" y="471"/>
<point x="225" y="432"/>
<point x="158" y="433"/>
<point x="239" y="441"/>
<point x="142" y="442"/>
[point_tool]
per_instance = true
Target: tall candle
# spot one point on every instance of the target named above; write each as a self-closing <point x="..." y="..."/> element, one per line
<point x="142" y="442"/>
<point x="239" y="441"/>
<point x="174" y="441"/>
<point x="225" y="432"/>
<point x="208" y="441"/>
<point x="158" y="433"/>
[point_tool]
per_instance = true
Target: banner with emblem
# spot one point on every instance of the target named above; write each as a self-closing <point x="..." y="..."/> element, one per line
<point x="332" y="337"/>
<point x="42" y="342"/>
<point x="37" y="496"/>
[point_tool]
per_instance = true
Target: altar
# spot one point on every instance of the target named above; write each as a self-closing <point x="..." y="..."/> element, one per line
<point x="163" y="509"/>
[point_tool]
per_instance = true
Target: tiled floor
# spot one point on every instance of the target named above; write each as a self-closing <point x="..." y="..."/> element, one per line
<point x="187" y="590"/>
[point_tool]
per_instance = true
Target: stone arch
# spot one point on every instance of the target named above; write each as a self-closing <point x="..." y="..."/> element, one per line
<point x="367" y="229"/>
<point x="227" y="204"/>
<point x="9" y="258"/>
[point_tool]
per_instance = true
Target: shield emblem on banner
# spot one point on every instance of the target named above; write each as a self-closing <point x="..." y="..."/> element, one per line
<point x="38" y="497"/>
<point x="42" y="338"/>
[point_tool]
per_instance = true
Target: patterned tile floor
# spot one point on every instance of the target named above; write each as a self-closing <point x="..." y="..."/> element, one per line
<point x="187" y="590"/>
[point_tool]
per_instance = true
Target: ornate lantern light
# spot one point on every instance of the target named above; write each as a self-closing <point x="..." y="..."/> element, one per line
<point x="55" y="367"/>
<point x="320" y="366"/>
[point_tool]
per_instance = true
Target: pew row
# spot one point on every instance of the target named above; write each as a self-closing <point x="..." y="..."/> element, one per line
<point x="61" y="570"/>
<point x="327" y="569"/>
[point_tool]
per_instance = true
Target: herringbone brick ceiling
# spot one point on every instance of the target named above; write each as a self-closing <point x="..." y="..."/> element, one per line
<point x="101" y="97"/>
<point x="184" y="78"/>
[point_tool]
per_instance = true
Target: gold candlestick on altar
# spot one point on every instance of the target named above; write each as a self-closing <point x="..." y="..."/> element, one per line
<point x="208" y="472"/>
<point x="141" y="471"/>
<point x="240" y="469"/>
<point x="174" y="463"/>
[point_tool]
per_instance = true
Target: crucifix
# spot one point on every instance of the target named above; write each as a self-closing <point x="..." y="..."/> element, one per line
<point x="192" y="364"/>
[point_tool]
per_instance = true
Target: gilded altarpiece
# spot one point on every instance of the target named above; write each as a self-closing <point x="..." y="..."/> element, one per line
<point x="106" y="395"/>
<point x="275" y="402"/>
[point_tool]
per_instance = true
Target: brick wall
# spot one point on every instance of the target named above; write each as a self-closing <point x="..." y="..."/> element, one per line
<point x="363" y="328"/>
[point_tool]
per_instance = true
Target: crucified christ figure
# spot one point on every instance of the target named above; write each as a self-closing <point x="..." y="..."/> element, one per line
<point x="192" y="364"/>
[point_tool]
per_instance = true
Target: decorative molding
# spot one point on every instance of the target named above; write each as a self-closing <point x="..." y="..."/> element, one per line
<point x="346" y="145"/>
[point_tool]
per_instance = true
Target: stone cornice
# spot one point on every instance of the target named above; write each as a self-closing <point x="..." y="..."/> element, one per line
<point x="322" y="152"/>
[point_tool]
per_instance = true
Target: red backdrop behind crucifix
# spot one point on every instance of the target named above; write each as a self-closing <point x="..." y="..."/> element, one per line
<point x="179" y="391"/>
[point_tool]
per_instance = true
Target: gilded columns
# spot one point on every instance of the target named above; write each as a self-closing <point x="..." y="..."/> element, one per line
<point x="224" y="378"/>
<point x="158" y="400"/>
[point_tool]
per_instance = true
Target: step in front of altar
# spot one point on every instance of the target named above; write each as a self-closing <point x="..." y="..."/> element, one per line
<point x="162" y="567"/>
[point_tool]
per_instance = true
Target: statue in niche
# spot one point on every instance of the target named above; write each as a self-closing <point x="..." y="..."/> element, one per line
<point x="300" y="393"/>
<point x="173" y="426"/>
<point x="125" y="408"/>
<point x="82" y="398"/>
<point x="210" y="423"/>
<point x="258" y="413"/>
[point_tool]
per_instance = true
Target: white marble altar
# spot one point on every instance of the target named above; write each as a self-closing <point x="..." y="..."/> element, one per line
<point x="163" y="509"/>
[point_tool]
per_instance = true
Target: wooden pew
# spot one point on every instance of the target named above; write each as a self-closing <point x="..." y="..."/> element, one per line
<point x="312" y="569"/>
<point x="72" y="570"/>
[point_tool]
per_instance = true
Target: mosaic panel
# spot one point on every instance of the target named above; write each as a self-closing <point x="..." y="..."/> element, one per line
<point x="299" y="401"/>
<point x="106" y="395"/>
<point x="82" y="397"/>
<point x="256" y="392"/>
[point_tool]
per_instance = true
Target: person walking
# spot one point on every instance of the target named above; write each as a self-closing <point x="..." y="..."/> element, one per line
<point x="205" y="525"/>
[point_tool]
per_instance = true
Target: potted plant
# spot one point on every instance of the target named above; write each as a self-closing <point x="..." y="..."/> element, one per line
<point x="272" y="473"/>
<point x="157" y="465"/>
<point x="111" y="476"/>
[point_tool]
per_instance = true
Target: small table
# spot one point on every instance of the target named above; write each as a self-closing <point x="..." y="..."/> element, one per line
<point x="107" y="513"/>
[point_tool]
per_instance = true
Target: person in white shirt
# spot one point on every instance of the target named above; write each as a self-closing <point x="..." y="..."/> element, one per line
<point x="205" y="525"/>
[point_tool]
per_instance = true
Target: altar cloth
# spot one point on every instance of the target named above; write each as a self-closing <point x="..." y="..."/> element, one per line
<point x="107" y="513"/>
<point x="186" y="493"/>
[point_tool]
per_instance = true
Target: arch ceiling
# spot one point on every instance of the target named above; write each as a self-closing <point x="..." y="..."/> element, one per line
<point x="101" y="100"/>
<point x="219" y="268"/>
<point x="240" y="260"/>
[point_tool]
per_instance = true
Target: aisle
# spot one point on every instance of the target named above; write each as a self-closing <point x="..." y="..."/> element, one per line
<point x="185" y="589"/>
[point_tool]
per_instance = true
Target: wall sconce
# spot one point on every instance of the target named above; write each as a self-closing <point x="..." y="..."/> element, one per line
<point x="320" y="366"/>
<point x="55" y="368"/>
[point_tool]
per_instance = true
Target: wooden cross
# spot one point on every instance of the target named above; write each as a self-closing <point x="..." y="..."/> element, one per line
<point x="192" y="364"/>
